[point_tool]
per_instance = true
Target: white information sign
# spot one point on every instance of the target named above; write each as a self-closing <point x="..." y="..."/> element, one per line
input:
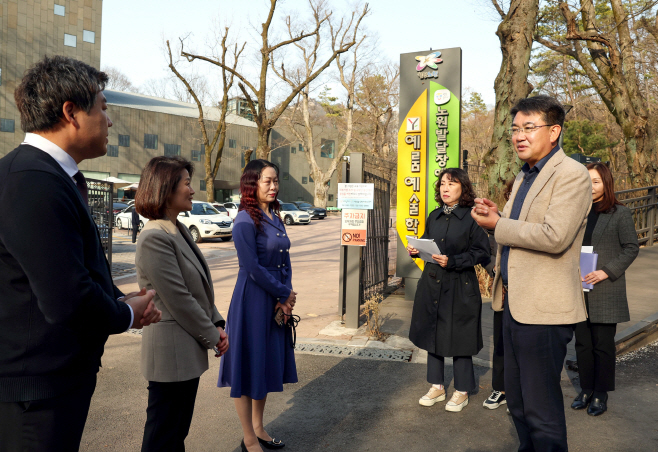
<point x="356" y="196"/>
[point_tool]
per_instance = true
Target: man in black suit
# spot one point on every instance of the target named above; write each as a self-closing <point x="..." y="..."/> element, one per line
<point x="58" y="303"/>
<point x="135" y="223"/>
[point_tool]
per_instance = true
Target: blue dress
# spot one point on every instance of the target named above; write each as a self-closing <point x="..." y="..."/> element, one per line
<point x="260" y="357"/>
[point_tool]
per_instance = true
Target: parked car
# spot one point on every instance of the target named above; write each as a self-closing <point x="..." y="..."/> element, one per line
<point x="232" y="208"/>
<point x="117" y="207"/>
<point x="220" y="208"/>
<point x="291" y="214"/>
<point x="124" y="220"/>
<point x="316" y="212"/>
<point x="205" y="222"/>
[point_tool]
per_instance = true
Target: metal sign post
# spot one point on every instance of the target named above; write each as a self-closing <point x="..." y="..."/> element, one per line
<point x="350" y="272"/>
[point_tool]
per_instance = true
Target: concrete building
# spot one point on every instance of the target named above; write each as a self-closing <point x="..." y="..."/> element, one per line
<point x="143" y="126"/>
<point x="31" y="29"/>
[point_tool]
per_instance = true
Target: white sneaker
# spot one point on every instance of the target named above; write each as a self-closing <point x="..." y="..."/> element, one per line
<point x="457" y="402"/>
<point x="495" y="400"/>
<point x="433" y="395"/>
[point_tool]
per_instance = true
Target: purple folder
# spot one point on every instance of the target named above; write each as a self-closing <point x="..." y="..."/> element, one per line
<point x="588" y="265"/>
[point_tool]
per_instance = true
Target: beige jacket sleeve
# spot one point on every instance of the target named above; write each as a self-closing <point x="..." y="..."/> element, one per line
<point x="569" y="204"/>
<point x="160" y="266"/>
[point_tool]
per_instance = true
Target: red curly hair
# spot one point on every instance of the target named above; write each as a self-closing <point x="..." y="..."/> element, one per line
<point x="249" y="191"/>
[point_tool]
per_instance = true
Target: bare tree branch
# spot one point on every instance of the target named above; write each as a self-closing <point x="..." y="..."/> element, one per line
<point x="499" y="9"/>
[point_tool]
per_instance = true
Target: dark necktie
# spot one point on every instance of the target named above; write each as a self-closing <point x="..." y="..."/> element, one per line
<point x="81" y="184"/>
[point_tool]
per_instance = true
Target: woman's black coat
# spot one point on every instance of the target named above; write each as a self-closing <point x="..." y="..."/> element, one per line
<point x="615" y="241"/>
<point x="446" y="318"/>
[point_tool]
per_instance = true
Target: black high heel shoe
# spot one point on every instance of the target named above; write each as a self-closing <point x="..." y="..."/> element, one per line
<point x="274" y="444"/>
<point x="243" y="447"/>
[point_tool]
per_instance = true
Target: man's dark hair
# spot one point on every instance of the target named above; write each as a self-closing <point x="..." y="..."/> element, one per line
<point x="158" y="182"/>
<point x="467" y="199"/>
<point x="550" y="109"/>
<point x="49" y="83"/>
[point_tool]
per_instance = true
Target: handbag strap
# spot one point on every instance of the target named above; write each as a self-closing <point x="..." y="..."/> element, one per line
<point x="292" y="322"/>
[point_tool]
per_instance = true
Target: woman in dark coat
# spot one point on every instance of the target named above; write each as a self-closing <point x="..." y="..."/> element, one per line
<point x="611" y="231"/>
<point x="261" y="358"/>
<point x="446" y="318"/>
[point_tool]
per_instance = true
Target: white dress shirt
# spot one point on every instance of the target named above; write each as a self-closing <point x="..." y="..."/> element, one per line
<point x="68" y="165"/>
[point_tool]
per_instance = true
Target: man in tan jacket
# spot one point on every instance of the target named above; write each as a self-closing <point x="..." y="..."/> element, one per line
<point x="538" y="285"/>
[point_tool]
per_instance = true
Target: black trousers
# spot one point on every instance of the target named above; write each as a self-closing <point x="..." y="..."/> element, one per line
<point x="498" y="358"/>
<point x="462" y="368"/>
<point x="534" y="356"/>
<point x="54" y="424"/>
<point x="596" y="355"/>
<point x="169" y="415"/>
<point x="135" y="230"/>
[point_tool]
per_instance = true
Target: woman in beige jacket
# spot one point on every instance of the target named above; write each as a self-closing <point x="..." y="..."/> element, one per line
<point x="175" y="351"/>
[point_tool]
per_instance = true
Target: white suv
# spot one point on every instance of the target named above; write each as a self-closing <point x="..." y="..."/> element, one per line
<point x="205" y="222"/>
<point x="232" y="208"/>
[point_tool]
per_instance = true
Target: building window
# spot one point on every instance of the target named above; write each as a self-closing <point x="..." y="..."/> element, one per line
<point x="328" y="183"/>
<point x="286" y="176"/>
<point x="310" y="179"/>
<point x="150" y="141"/>
<point x="112" y="150"/>
<point x="331" y="197"/>
<point x="198" y="156"/>
<point x="300" y="198"/>
<point x="60" y="10"/>
<point x="124" y="141"/>
<point x="301" y="148"/>
<point x="88" y="36"/>
<point x="327" y="148"/>
<point x="7" y="125"/>
<point x="171" y="150"/>
<point x="293" y="149"/>
<point x="202" y="185"/>
<point x="70" y="40"/>
<point x="304" y="180"/>
<point x="231" y="143"/>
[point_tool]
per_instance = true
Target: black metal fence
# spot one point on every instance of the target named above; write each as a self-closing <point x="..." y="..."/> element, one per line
<point x="100" y="208"/>
<point x="374" y="259"/>
<point x="644" y="206"/>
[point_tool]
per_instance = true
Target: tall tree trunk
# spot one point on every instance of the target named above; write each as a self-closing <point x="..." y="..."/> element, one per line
<point x="516" y="36"/>
<point x="320" y="196"/>
<point x="263" y="148"/>
<point x="613" y="74"/>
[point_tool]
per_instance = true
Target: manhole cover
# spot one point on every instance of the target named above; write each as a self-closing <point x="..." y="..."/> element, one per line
<point x="372" y="353"/>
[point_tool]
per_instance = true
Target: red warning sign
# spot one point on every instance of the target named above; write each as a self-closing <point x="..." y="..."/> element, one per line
<point x="354" y="227"/>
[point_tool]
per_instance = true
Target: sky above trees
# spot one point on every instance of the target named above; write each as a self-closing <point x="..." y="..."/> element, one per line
<point x="133" y="33"/>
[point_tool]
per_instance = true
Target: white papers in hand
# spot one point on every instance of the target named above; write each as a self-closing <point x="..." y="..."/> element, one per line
<point x="425" y="247"/>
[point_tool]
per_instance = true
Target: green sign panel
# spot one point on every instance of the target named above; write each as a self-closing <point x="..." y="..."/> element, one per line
<point x="443" y="143"/>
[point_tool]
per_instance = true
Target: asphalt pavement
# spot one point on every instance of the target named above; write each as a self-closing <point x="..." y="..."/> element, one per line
<point x="352" y="404"/>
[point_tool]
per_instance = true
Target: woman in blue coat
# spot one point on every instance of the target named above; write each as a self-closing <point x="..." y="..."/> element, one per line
<point x="261" y="358"/>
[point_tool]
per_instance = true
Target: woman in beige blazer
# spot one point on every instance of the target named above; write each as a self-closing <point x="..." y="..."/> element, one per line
<point x="175" y="353"/>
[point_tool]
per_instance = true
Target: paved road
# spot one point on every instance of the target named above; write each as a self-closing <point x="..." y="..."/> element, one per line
<point x="315" y="257"/>
<point x="366" y="405"/>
